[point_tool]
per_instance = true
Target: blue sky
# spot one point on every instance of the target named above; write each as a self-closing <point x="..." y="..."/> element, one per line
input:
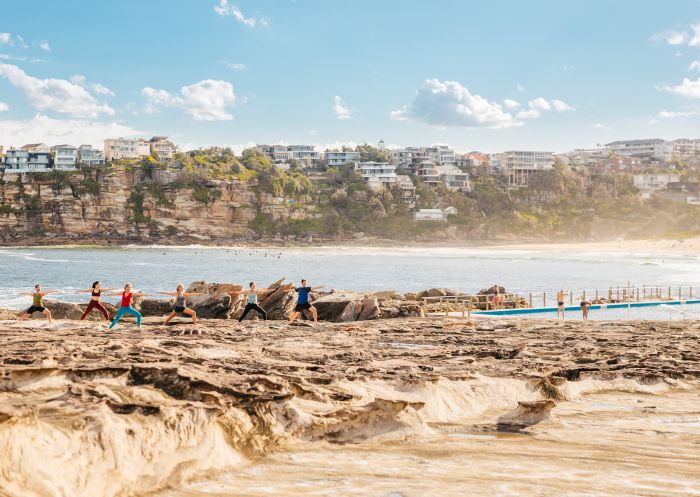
<point x="476" y="75"/>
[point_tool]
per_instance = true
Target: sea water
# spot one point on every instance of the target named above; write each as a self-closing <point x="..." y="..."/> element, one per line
<point x="404" y="269"/>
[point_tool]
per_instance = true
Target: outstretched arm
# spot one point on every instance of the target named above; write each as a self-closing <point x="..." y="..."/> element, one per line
<point x="83" y="291"/>
<point x="317" y="287"/>
<point x="48" y="292"/>
<point x="190" y="294"/>
<point x="141" y="294"/>
<point x="168" y="293"/>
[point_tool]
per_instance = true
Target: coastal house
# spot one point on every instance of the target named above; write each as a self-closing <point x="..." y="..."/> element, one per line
<point x="20" y="161"/>
<point x="143" y="148"/>
<point x="335" y="158"/>
<point x="88" y="156"/>
<point x="684" y="148"/>
<point x="376" y="174"/>
<point x="65" y="157"/>
<point x="519" y="165"/>
<point x="305" y="154"/>
<point x="450" y="175"/>
<point x="652" y="148"/>
<point x="161" y="147"/>
<point x="120" y="148"/>
<point x="434" y="215"/>
<point x="647" y="184"/>
<point x="37" y="148"/>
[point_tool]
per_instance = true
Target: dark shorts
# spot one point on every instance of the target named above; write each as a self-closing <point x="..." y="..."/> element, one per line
<point x="585" y="304"/>
<point x="302" y="307"/>
<point x="180" y="310"/>
<point x="34" y="309"/>
<point x="561" y="304"/>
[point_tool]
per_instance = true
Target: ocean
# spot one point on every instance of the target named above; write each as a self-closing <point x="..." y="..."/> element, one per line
<point x="404" y="269"/>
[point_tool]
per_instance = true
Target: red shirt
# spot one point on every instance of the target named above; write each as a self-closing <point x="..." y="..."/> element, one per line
<point x="126" y="299"/>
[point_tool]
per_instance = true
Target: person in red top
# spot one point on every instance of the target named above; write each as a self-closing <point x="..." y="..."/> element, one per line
<point x="126" y="307"/>
<point x="95" y="294"/>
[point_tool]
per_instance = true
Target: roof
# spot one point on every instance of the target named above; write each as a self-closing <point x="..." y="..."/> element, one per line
<point x="33" y="145"/>
<point x="635" y="142"/>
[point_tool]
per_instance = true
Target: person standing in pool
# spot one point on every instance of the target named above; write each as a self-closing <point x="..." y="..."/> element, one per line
<point x="561" y="305"/>
<point x="126" y="306"/>
<point x="585" y="307"/>
<point x="252" y="304"/>
<point x="303" y="303"/>
<point x="180" y="306"/>
<point x="37" y="303"/>
<point x="95" y="295"/>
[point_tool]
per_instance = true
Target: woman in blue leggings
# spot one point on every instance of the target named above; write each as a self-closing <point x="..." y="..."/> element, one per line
<point x="126" y="307"/>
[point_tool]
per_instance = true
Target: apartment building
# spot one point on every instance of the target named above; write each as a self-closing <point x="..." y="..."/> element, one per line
<point x="65" y="157"/>
<point x="439" y="215"/>
<point x="684" y="148"/>
<point x="88" y="156"/>
<point x="143" y="148"/>
<point x="410" y="158"/>
<point x="519" y="165"/>
<point x="287" y="153"/>
<point x="121" y="148"/>
<point x="588" y="157"/>
<point x="654" y="148"/>
<point x="161" y="147"/>
<point x="431" y="174"/>
<point x="654" y="182"/>
<point x="19" y="161"/>
<point x="334" y="158"/>
<point x="377" y="174"/>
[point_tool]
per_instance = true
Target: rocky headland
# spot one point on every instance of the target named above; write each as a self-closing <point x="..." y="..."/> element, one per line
<point x="85" y="411"/>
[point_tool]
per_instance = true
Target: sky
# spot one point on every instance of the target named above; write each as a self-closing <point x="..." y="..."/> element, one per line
<point x="489" y="76"/>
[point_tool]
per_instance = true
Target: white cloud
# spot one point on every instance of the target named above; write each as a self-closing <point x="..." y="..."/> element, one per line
<point x="519" y="87"/>
<point x="102" y="89"/>
<point x="57" y="95"/>
<point x="694" y="66"/>
<point x="539" y="105"/>
<point x="671" y="37"/>
<point x="5" y="38"/>
<point x="4" y="107"/>
<point x="511" y="104"/>
<point x="341" y="110"/>
<point x="687" y="88"/>
<point x="44" y="45"/>
<point x="4" y="56"/>
<point x="42" y="128"/>
<point x="676" y="37"/>
<point x="204" y="101"/>
<point x="601" y="126"/>
<point x="451" y="104"/>
<point x="98" y="88"/>
<point x="224" y="8"/>
<point x="667" y="114"/>
<point x="235" y="66"/>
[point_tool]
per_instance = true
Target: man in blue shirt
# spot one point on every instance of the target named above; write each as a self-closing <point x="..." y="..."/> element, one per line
<point x="303" y="303"/>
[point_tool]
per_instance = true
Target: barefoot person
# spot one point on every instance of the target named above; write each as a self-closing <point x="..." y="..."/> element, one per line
<point x="95" y="296"/>
<point x="561" y="305"/>
<point x="303" y="303"/>
<point x="252" y="304"/>
<point x="37" y="303"/>
<point x="126" y="307"/>
<point x="180" y="306"/>
<point x="585" y="307"/>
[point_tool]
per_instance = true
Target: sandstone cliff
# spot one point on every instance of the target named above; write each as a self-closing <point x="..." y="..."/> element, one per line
<point x="133" y="204"/>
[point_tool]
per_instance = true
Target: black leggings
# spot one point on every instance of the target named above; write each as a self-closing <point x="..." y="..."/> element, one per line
<point x="252" y="307"/>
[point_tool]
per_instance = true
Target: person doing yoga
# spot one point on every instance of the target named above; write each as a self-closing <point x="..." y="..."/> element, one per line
<point x="37" y="303"/>
<point x="180" y="306"/>
<point x="95" y="295"/>
<point x="252" y="304"/>
<point x="126" y="307"/>
<point x="303" y="303"/>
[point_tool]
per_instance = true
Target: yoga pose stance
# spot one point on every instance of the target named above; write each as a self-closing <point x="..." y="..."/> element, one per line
<point x="303" y="303"/>
<point x="180" y="306"/>
<point x="252" y="304"/>
<point x="126" y="307"/>
<point x="37" y="303"/>
<point x="95" y="295"/>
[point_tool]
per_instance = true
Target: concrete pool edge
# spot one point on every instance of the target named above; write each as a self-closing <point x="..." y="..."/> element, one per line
<point x="619" y="305"/>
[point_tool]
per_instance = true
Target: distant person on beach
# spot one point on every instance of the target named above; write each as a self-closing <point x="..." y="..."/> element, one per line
<point x="180" y="306"/>
<point x="95" y="295"/>
<point x="252" y="304"/>
<point x="561" y="304"/>
<point x="303" y="303"/>
<point x="126" y="306"/>
<point x="37" y="303"/>
<point x="585" y="307"/>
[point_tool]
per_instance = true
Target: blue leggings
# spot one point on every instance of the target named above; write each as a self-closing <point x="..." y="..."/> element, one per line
<point x="126" y="310"/>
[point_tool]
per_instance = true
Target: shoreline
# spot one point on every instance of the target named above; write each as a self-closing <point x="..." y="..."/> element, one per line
<point x="690" y="244"/>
